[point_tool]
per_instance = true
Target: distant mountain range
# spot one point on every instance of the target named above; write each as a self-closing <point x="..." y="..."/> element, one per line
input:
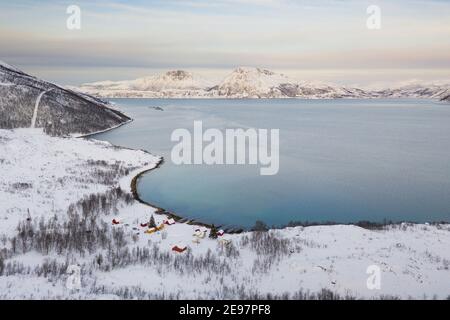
<point x="428" y="90"/>
<point x="26" y="101"/>
<point x="247" y="82"/>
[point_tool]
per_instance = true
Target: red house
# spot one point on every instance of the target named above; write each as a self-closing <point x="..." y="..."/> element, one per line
<point x="178" y="249"/>
<point x="169" y="222"/>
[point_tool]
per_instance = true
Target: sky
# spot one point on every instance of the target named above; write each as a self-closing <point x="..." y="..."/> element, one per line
<point x="323" y="40"/>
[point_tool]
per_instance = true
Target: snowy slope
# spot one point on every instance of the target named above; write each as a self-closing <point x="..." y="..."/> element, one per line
<point x="42" y="173"/>
<point x="121" y="261"/>
<point x="58" y="110"/>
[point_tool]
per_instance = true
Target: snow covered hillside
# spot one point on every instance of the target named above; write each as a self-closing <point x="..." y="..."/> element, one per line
<point x="26" y="101"/>
<point x="66" y="203"/>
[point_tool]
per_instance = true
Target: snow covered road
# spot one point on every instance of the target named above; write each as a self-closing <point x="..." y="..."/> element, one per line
<point x="36" y="108"/>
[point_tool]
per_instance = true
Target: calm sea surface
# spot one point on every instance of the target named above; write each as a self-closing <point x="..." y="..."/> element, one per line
<point x="340" y="160"/>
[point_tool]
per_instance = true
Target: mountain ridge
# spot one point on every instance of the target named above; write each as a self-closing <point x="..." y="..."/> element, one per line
<point x="248" y="82"/>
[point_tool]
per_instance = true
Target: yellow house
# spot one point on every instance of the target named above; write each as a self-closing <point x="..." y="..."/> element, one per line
<point x="151" y="230"/>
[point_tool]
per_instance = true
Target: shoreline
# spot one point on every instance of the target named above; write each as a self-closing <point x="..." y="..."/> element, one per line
<point x="134" y="181"/>
<point x="103" y="131"/>
<point x="369" y="225"/>
<point x="171" y="215"/>
<point x="366" y="224"/>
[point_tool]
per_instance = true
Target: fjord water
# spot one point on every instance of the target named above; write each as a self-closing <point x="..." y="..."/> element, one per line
<point x="340" y="160"/>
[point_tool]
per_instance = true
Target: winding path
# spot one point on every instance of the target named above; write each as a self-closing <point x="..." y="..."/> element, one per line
<point x="36" y="108"/>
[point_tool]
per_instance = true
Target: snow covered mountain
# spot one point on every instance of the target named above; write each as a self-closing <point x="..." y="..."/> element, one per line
<point x="249" y="82"/>
<point x="243" y="82"/>
<point x="28" y="101"/>
<point x="177" y="83"/>
<point x="417" y="90"/>
<point x="246" y="82"/>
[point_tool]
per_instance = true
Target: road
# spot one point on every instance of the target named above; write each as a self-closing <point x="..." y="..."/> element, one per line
<point x="36" y="108"/>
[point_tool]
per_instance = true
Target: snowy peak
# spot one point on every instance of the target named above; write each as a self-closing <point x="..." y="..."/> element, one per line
<point x="173" y="80"/>
<point x="246" y="82"/>
<point x="252" y="71"/>
<point x="176" y="79"/>
<point x="252" y="82"/>
<point x="254" y="76"/>
<point x="161" y="84"/>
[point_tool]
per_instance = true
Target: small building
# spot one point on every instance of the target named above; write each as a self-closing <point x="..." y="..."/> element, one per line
<point x="160" y="227"/>
<point x="150" y="231"/>
<point x="179" y="249"/>
<point x="200" y="234"/>
<point x="220" y="233"/>
<point x="169" y="222"/>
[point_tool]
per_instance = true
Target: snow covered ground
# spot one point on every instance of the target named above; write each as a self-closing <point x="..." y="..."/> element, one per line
<point x="65" y="192"/>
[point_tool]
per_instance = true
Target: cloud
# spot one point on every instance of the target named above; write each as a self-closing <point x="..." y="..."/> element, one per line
<point x="322" y="34"/>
